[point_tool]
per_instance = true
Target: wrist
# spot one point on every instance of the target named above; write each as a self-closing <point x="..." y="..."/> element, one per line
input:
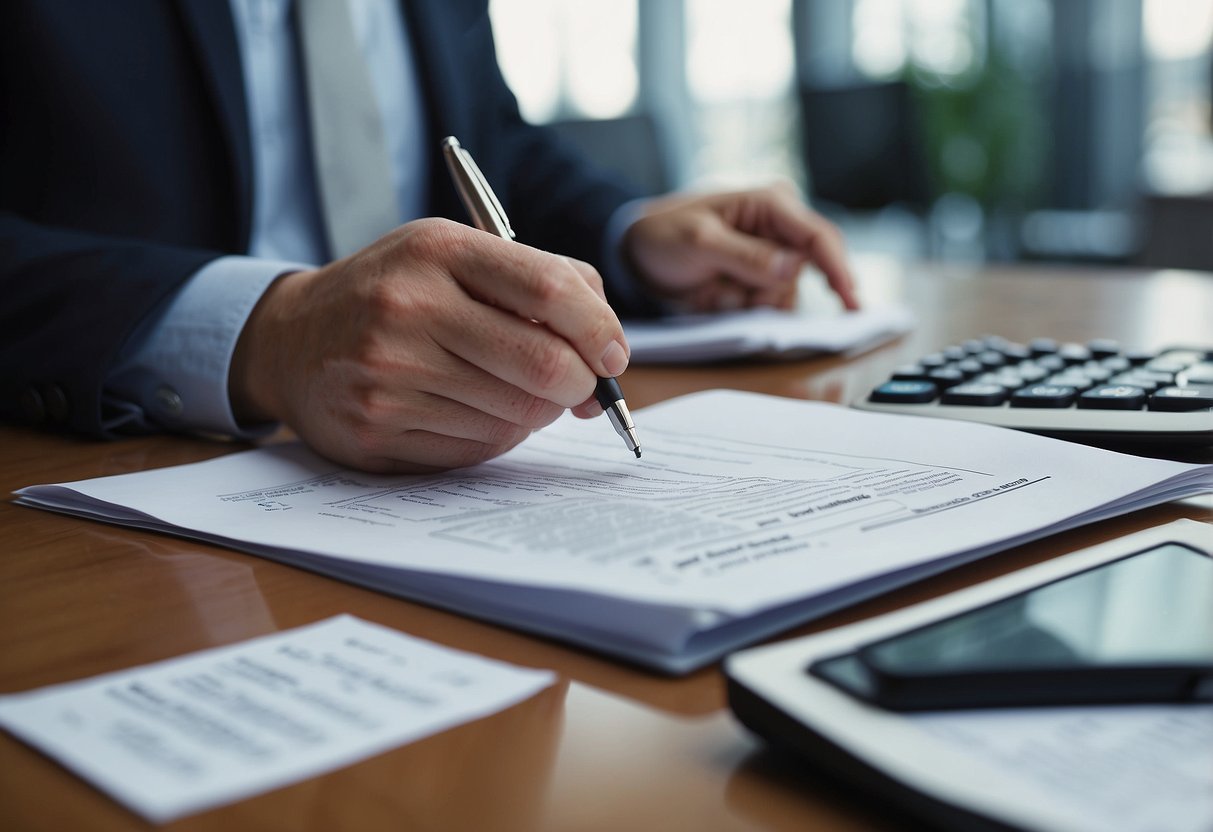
<point x="260" y="362"/>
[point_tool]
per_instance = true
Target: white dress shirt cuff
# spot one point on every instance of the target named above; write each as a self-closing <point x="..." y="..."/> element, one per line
<point x="174" y="373"/>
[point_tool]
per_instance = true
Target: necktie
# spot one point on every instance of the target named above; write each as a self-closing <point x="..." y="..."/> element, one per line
<point x="353" y="170"/>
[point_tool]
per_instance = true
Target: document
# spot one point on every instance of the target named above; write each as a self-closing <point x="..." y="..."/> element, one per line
<point x="1137" y="769"/>
<point x="187" y="734"/>
<point x="1121" y="768"/>
<point x="748" y="514"/>
<point x="764" y="333"/>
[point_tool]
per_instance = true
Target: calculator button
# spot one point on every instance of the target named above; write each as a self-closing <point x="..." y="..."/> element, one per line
<point x="1045" y="395"/>
<point x="1042" y="346"/>
<point x="1030" y="372"/>
<point x="992" y="358"/>
<point x="1184" y="357"/>
<point x="1103" y="347"/>
<point x="1138" y="356"/>
<point x="1201" y="373"/>
<point x="905" y="392"/>
<point x="1096" y="373"/>
<point x="1051" y="363"/>
<point x="970" y="367"/>
<point x="946" y="376"/>
<point x="1004" y="379"/>
<point x="1196" y="397"/>
<point x="1166" y="364"/>
<point x="910" y="372"/>
<point x="933" y="360"/>
<point x="1076" y="380"/>
<point x="1136" y="380"/>
<point x="1161" y="379"/>
<point x="1113" y="397"/>
<point x="1074" y="353"/>
<point x="1117" y="363"/>
<point x="1015" y="352"/>
<point x="955" y="353"/>
<point x="975" y="394"/>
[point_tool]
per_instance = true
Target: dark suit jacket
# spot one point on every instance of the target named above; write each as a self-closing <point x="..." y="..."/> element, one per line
<point x="125" y="167"/>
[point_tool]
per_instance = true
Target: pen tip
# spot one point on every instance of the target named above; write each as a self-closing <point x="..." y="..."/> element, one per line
<point x="637" y="452"/>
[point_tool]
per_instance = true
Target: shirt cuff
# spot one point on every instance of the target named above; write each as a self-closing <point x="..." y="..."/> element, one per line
<point x="174" y="372"/>
<point x="628" y="296"/>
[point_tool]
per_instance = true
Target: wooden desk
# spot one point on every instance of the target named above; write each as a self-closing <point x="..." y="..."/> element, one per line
<point x="610" y="747"/>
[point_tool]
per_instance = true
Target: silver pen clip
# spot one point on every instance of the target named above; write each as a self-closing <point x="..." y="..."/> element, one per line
<point x="474" y="190"/>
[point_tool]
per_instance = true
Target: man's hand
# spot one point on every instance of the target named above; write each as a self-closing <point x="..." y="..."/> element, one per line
<point x="436" y="347"/>
<point x="735" y="250"/>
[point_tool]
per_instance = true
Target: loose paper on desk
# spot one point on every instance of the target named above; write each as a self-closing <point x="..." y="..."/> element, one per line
<point x="766" y="333"/>
<point x="748" y="514"/>
<point x="183" y="735"/>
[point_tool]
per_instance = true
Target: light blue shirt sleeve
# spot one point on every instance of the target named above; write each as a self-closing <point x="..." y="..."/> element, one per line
<point x="174" y="373"/>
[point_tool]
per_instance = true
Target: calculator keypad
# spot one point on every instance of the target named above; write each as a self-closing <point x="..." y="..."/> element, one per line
<point x="1071" y="388"/>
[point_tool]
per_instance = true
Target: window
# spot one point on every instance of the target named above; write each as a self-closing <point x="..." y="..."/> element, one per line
<point x="1178" y="40"/>
<point x="567" y="59"/>
<point x="740" y="72"/>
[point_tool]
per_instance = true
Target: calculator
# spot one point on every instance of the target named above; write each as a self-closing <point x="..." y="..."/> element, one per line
<point x="1094" y="392"/>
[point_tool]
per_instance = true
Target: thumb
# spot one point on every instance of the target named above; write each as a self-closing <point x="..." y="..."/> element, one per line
<point x="751" y="261"/>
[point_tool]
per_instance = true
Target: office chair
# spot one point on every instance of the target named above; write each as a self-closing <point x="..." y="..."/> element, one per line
<point x="630" y="146"/>
<point x="862" y="147"/>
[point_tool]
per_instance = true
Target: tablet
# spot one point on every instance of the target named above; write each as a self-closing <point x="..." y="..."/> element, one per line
<point x="1084" y="767"/>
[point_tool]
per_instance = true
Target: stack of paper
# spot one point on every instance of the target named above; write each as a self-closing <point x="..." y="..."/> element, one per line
<point x="765" y="333"/>
<point x="747" y="515"/>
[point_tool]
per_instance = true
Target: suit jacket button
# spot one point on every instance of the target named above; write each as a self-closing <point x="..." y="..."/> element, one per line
<point x="55" y="401"/>
<point x="32" y="406"/>
<point x="168" y="401"/>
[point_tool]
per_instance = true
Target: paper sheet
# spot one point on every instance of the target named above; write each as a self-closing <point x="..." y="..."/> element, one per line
<point x="769" y="333"/>
<point x="186" y="734"/>
<point x="1117" y="768"/>
<point x="742" y="503"/>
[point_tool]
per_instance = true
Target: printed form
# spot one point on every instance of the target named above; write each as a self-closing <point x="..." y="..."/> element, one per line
<point x="179" y="736"/>
<point x="741" y="503"/>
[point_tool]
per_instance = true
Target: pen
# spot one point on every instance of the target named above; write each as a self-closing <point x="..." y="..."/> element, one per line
<point x="488" y="215"/>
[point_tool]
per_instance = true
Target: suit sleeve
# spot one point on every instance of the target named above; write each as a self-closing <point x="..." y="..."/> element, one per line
<point x="557" y="199"/>
<point x="71" y="300"/>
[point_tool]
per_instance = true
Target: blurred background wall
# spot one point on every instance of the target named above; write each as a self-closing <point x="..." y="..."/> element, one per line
<point x="1072" y="130"/>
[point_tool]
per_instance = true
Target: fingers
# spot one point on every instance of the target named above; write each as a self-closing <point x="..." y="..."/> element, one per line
<point x="563" y="295"/>
<point x="426" y="351"/>
<point x="447" y="415"/>
<point x="758" y="241"/>
<point x="817" y="238"/>
<point x="753" y="261"/>
<point x="522" y="354"/>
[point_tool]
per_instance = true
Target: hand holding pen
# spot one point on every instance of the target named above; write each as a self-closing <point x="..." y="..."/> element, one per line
<point x="421" y="352"/>
<point x="488" y="215"/>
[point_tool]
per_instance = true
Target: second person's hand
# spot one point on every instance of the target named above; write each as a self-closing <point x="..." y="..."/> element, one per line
<point x="722" y="251"/>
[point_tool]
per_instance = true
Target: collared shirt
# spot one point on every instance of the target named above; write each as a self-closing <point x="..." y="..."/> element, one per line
<point x="175" y="370"/>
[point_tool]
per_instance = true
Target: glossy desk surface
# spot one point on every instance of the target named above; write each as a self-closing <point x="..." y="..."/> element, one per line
<point x="610" y="747"/>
